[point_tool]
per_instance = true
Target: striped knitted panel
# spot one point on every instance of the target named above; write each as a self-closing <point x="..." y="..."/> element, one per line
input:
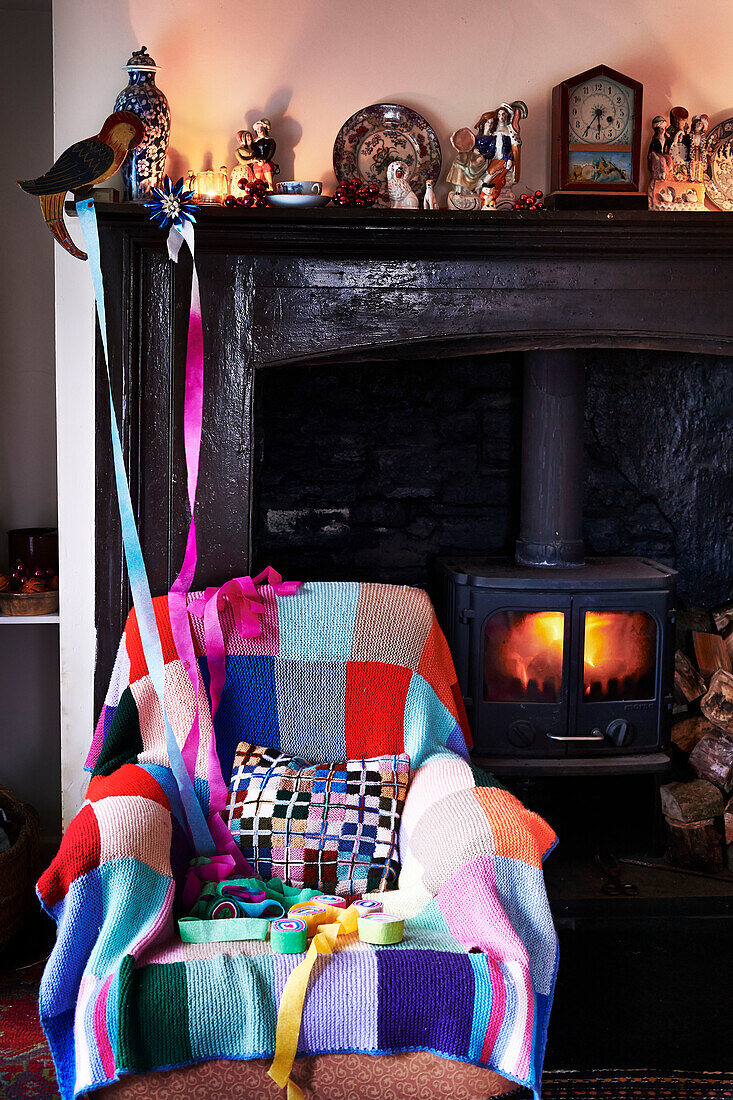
<point x="392" y="625"/>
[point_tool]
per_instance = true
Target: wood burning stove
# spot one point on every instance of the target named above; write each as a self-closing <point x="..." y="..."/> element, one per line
<point x="560" y="660"/>
<point x="565" y="664"/>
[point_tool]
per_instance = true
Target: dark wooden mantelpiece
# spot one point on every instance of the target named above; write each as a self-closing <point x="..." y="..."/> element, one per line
<point x="334" y="285"/>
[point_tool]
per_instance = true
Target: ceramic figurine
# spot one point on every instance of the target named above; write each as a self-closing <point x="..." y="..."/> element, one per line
<point x="401" y="195"/>
<point x="430" y="202"/>
<point x="145" y="168"/>
<point x="242" y="172"/>
<point x="263" y="149"/>
<point x="677" y="161"/>
<point x="490" y="157"/>
<point x="80" y="167"/>
<point x="488" y="202"/>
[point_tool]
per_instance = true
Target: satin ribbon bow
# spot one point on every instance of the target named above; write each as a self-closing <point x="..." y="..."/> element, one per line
<point x="247" y="607"/>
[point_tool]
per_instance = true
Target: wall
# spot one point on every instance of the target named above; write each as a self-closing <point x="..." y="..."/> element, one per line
<point x="29" y="655"/>
<point x="309" y="65"/>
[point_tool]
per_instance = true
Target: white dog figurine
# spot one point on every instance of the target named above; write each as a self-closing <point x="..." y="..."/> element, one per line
<point x="401" y="195"/>
<point x="429" y="202"/>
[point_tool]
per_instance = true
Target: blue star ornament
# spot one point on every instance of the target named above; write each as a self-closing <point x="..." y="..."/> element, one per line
<point x="172" y="205"/>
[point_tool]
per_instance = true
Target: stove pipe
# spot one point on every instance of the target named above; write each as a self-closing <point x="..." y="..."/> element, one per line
<point x="551" y="519"/>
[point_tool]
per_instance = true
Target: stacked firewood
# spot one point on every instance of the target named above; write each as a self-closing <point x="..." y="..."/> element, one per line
<point x="699" y="811"/>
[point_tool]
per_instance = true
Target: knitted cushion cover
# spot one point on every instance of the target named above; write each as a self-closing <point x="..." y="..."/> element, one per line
<point x="332" y="827"/>
<point x="341" y="671"/>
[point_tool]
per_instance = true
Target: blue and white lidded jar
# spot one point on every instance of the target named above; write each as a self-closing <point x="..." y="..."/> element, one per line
<point x="145" y="165"/>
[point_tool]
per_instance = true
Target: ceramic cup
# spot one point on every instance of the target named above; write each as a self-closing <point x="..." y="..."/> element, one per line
<point x="299" y="187"/>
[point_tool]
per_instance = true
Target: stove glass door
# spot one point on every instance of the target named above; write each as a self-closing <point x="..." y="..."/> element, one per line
<point x="619" y="656"/>
<point x="523" y="656"/>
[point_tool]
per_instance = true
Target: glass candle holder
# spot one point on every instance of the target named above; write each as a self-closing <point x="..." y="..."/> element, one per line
<point x="212" y="186"/>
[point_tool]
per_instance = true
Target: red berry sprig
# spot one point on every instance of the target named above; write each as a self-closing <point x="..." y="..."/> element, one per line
<point x="355" y="193"/>
<point x="530" y="202"/>
<point x="254" y="193"/>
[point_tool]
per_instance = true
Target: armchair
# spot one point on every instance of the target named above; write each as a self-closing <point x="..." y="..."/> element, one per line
<point x="340" y="670"/>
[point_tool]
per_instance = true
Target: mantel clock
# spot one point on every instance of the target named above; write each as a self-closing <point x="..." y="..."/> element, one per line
<point x="596" y="132"/>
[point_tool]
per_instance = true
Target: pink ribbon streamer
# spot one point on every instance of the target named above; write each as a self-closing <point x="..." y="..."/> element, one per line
<point x="241" y="593"/>
<point x="216" y="870"/>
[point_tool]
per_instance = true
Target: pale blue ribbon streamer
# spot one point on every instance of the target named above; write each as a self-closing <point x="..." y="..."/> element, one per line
<point x="136" y="572"/>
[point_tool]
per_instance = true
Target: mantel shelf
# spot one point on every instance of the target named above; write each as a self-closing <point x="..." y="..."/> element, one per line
<point x="442" y="233"/>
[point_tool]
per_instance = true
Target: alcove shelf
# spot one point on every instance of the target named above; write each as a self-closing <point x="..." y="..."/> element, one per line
<point x="7" y="620"/>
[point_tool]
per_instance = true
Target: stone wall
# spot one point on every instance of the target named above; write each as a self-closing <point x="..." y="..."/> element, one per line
<point x="369" y="471"/>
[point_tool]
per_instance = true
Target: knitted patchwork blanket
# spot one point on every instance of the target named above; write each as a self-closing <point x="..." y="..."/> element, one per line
<point x="339" y="671"/>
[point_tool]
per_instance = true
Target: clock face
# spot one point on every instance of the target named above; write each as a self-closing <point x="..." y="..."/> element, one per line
<point x="600" y="132"/>
<point x="600" y="112"/>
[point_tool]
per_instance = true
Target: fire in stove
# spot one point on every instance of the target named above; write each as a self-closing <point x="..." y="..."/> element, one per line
<point x="523" y="656"/>
<point x="619" y="655"/>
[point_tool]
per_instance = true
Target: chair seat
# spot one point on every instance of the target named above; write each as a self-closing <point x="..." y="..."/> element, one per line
<point x="416" y="1076"/>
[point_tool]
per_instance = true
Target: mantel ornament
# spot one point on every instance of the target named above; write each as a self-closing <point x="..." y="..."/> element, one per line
<point x="254" y="157"/>
<point x="677" y="161"/>
<point x="490" y="159"/>
<point x="145" y="167"/>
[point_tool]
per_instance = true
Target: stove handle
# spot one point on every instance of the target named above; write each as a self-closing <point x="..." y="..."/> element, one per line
<point x="595" y="736"/>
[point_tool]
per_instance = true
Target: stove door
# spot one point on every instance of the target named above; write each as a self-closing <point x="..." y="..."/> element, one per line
<point x="616" y="675"/>
<point x="520" y="679"/>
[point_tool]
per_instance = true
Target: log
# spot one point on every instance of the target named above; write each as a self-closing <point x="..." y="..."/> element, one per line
<point x="697" y="844"/>
<point x="711" y="653"/>
<point x="695" y="801"/>
<point x="712" y="759"/>
<point x="723" y="619"/>
<point x="686" y="732"/>
<point x="717" y="704"/>
<point x="688" y="683"/>
<point x="728" y="822"/>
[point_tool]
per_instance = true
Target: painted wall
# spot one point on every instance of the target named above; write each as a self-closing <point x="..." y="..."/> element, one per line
<point x="308" y="65"/>
<point x="29" y="655"/>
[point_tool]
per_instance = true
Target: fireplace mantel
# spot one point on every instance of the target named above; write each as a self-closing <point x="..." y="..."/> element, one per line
<point x="336" y="285"/>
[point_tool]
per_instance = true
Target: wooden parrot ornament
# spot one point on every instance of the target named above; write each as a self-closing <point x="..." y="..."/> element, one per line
<point x="80" y="167"/>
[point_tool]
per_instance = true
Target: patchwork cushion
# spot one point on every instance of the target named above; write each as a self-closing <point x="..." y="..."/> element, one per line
<point x="331" y="827"/>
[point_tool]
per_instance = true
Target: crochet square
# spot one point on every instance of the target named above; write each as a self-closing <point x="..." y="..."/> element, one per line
<point x="332" y="827"/>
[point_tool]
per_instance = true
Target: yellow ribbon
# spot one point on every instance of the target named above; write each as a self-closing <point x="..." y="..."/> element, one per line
<point x="290" y="1013"/>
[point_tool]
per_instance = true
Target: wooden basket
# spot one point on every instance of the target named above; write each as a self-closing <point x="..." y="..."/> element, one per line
<point x="19" y="865"/>
<point x="29" y="603"/>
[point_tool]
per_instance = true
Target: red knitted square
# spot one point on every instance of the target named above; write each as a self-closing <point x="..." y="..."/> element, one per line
<point x="79" y="853"/>
<point x="138" y="667"/>
<point x="375" y="708"/>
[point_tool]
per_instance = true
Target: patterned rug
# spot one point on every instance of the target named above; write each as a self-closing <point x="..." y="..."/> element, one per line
<point x="26" y="1066"/>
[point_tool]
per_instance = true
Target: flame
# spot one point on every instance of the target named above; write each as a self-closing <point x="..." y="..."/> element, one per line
<point x="534" y="648"/>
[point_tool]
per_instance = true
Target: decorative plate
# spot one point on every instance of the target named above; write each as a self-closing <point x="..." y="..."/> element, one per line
<point x="299" y="200"/>
<point x="377" y="135"/>
<point x="719" y="177"/>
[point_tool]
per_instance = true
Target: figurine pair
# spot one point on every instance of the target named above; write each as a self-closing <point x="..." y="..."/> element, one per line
<point x="488" y="162"/>
<point x="255" y="154"/>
